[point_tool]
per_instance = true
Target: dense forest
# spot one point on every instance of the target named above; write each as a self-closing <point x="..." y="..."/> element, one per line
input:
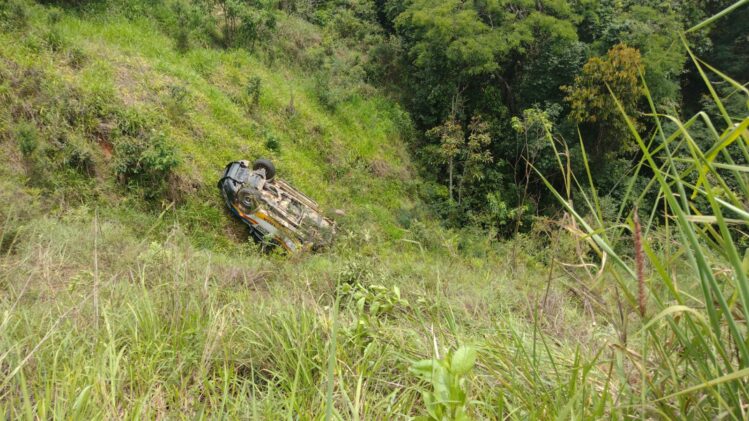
<point x="540" y="209"/>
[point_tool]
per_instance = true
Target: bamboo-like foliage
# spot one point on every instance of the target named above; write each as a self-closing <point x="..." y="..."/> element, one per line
<point x="692" y="352"/>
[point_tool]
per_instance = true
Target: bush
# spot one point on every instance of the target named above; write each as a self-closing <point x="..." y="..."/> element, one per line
<point x="326" y="94"/>
<point x="54" y="39"/>
<point x="14" y="15"/>
<point x="253" y="90"/>
<point x="28" y="139"/>
<point x="54" y="16"/>
<point x="134" y="123"/>
<point x="79" y="156"/>
<point x="272" y="143"/>
<point x="177" y="102"/>
<point x="76" y="57"/>
<point x="145" y="163"/>
<point x="182" y="40"/>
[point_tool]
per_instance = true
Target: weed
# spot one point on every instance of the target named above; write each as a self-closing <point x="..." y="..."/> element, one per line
<point x="692" y="353"/>
<point x="448" y="397"/>
<point x="272" y="143"/>
<point x="373" y="303"/>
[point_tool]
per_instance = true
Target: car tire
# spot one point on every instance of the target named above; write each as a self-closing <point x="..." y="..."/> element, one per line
<point x="249" y="198"/>
<point x="270" y="169"/>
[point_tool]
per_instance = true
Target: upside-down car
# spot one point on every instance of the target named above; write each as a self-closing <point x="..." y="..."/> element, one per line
<point x="275" y="212"/>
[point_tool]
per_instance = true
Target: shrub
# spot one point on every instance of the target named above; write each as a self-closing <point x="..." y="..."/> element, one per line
<point x="54" y="39"/>
<point x="182" y="32"/>
<point x="81" y="160"/>
<point x="132" y="122"/>
<point x="244" y="25"/>
<point x="326" y="94"/>
<point x="177" y="102"/>
<point x="54" y="16"/>
<point x="28" y="138"/>
<point x="374" y="303"/>
<point x="145" y="162"/>
<point x="79" y="156"/>
<point x="182" y="40"/>
<point x="253" y="90"/>
<point x="14" y="15"/>
<point x="272" y="143"/>
<point x="76" y="57"/>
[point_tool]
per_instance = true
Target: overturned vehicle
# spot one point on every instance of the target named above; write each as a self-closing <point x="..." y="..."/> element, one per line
<point x="276" y="213"/>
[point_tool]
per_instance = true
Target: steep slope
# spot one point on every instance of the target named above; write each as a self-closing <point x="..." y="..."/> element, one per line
<point x="127" y="290"/>
<point x="90" y="93"/>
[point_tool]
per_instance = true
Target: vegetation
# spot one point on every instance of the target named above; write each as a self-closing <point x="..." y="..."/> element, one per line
<point x="495" y="59"/>
<point x="544" y="209"/>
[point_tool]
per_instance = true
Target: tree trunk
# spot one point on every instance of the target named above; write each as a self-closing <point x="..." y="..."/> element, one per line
<point x="450" y="175"/>
<point x="462" y="182"/>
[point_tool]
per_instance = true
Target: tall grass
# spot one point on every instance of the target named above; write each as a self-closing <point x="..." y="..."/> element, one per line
<point x="182" y="332"/>
<point x="689" y="346"/>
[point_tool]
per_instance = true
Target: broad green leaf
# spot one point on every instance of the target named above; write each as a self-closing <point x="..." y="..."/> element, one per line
<point x="423" y="368"/>
<point x="463" y="360"/>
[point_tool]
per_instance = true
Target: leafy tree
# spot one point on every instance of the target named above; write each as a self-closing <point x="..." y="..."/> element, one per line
<point x="534" y="136"/>
<point x="476" y="156"/>
<point x="591" y="101"/>
<point x="462" y="49"/>
<point x="652" y="30"/>
<point x="448" y="46"/>
<point x="452" y="139"/>
<point x="243" y="24"/>
<point x="534" y="140"/>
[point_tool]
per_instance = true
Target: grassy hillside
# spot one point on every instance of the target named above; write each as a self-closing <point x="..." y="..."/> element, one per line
<point x="126" y="296"/>
<point x="84" y="88"/>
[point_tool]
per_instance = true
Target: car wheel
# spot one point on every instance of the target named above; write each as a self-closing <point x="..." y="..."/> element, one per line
<point x="249" y="198"/>
<point x="270" y="169"/>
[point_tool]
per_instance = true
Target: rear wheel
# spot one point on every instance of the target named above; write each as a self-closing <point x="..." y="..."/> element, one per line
<point x="270" y="169"/>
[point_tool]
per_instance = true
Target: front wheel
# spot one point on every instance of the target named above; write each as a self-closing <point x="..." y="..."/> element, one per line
<point x="270" y="169"/>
